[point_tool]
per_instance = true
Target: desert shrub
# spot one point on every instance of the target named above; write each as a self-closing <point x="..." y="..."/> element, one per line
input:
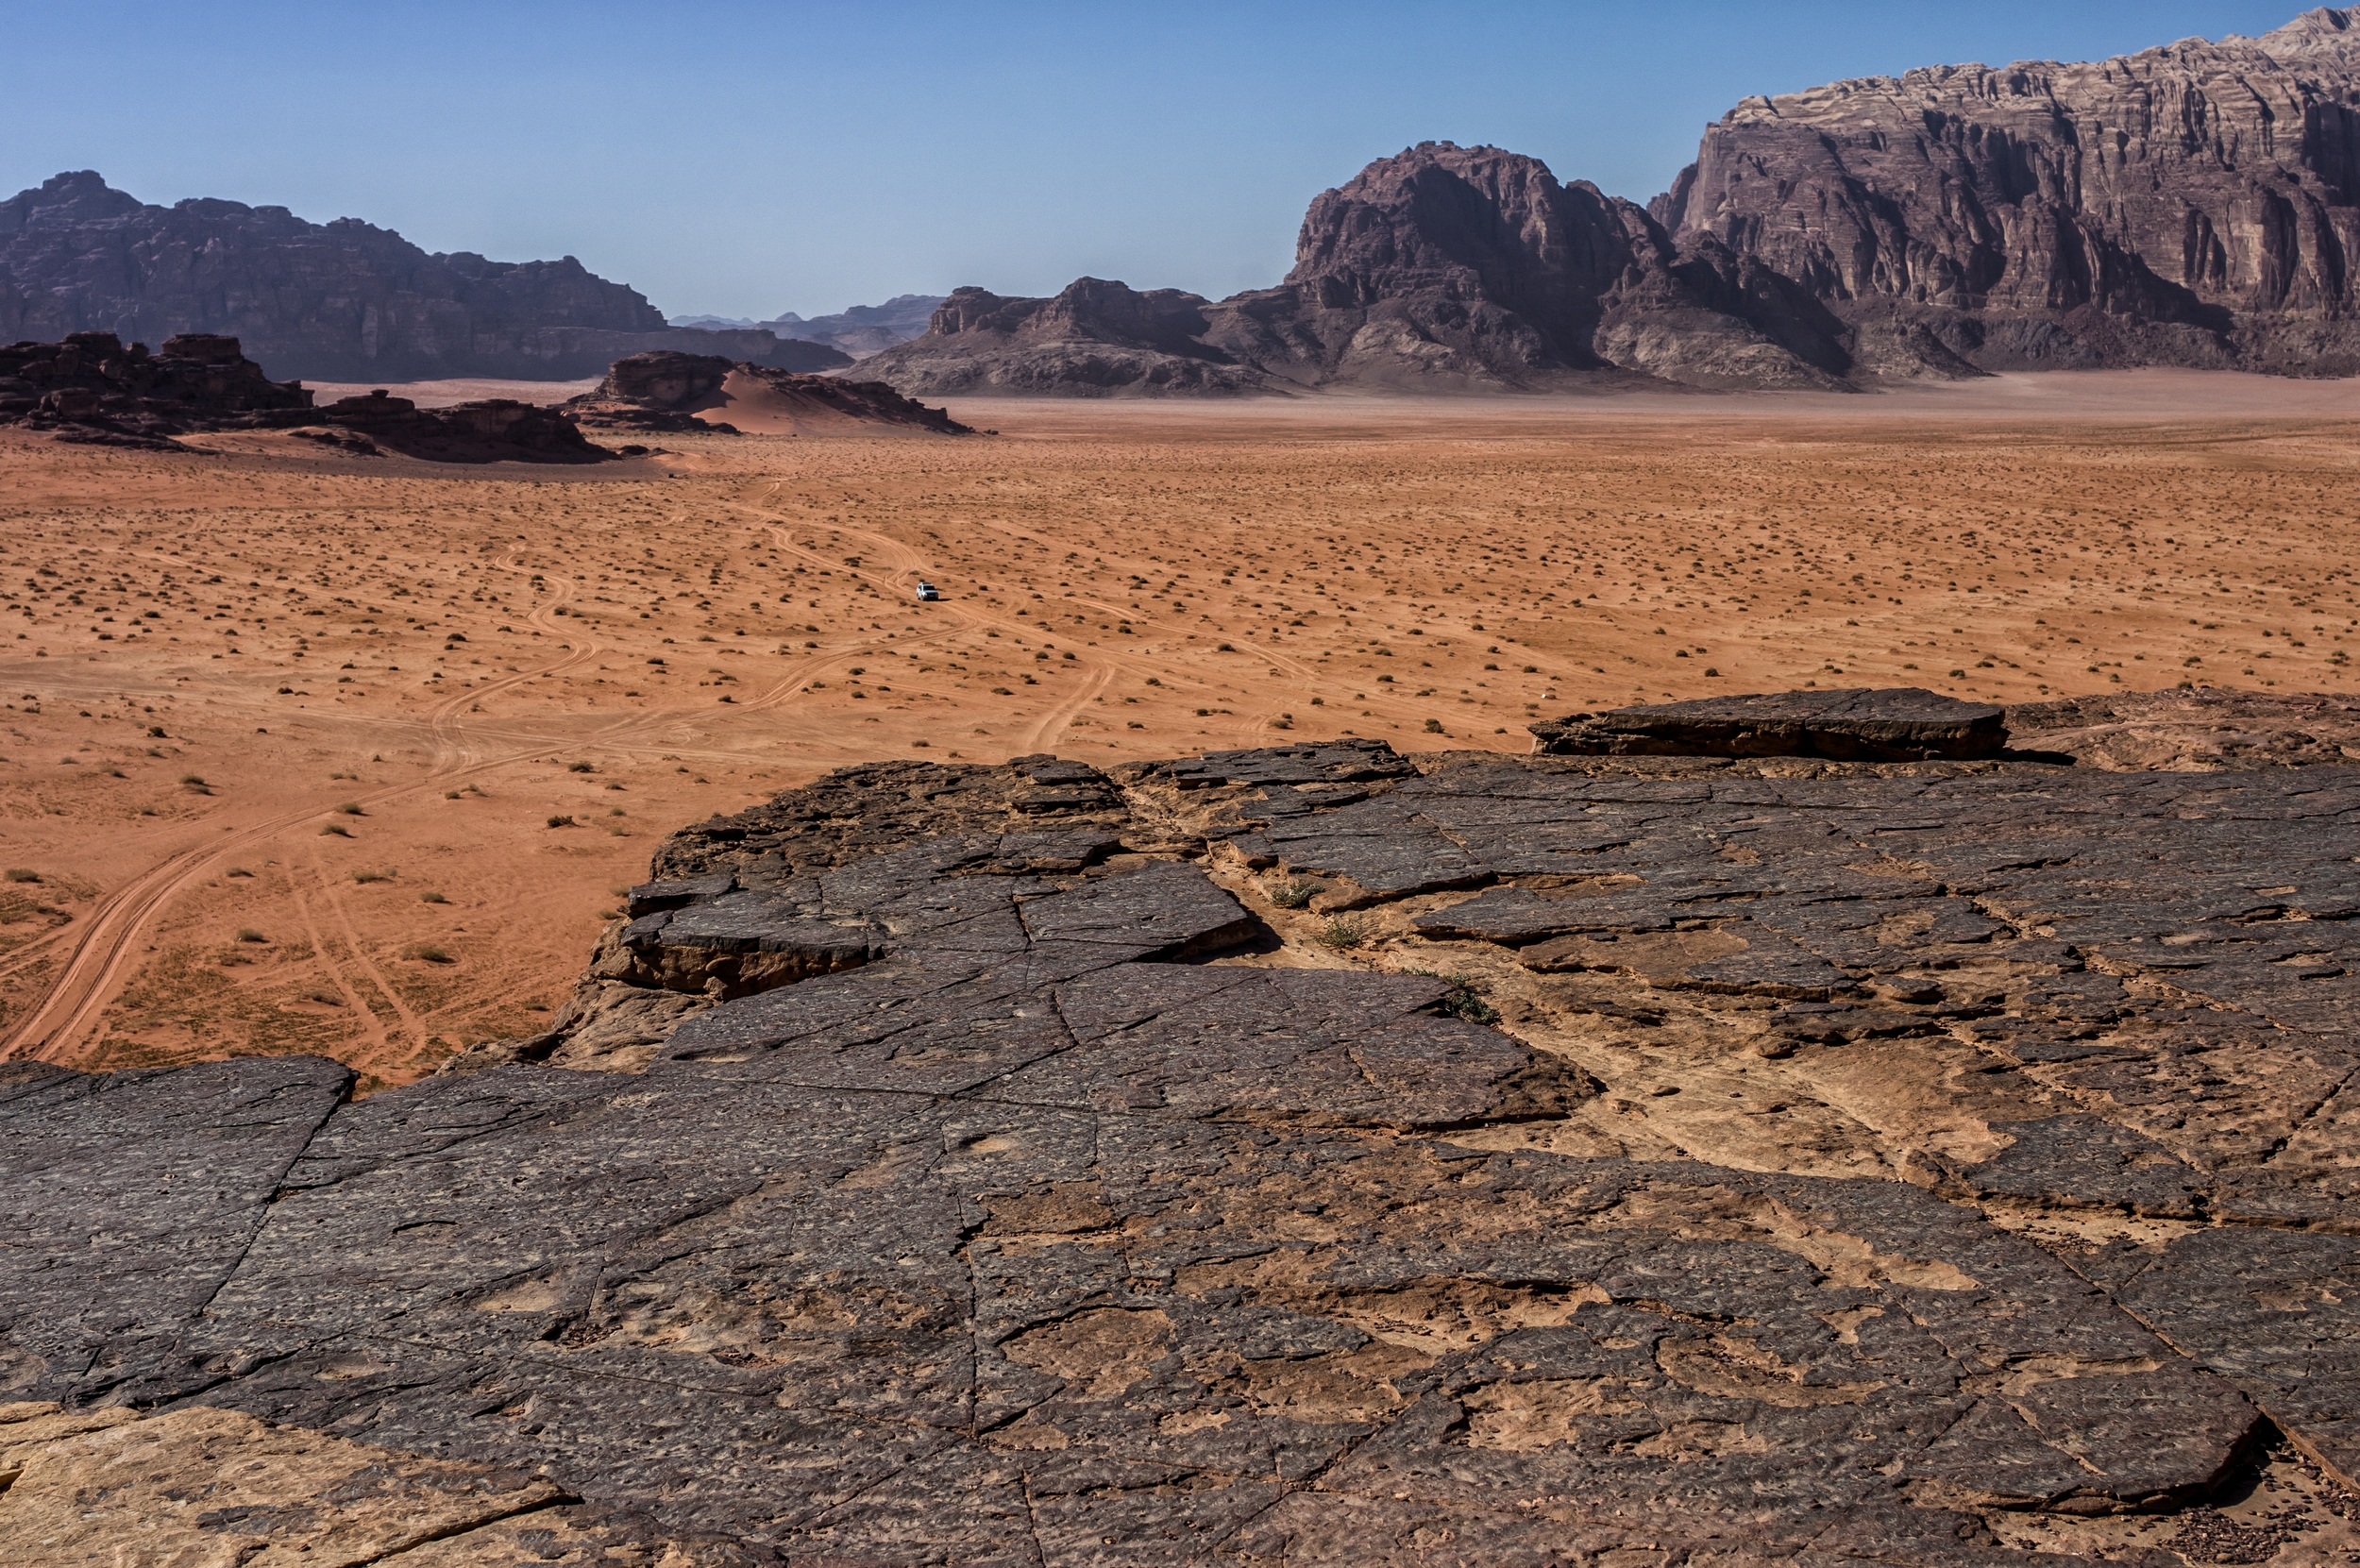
<point x="1348" y="930"/>
<point x="1294" y="894"/>
<point x="1465" y="999"/>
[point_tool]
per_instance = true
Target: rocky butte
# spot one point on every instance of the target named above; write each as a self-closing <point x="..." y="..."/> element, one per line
<point x="1031" y="1164"/>
<point x="2192" y="204"/>
<point x="663" y="390"/>
<point x="92" y="389"/>
<point x="341" y="301"/>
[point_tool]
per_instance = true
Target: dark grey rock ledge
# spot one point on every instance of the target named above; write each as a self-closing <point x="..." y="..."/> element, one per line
<point x="1091" y="1216"/>
<point x="1859" y="724"/>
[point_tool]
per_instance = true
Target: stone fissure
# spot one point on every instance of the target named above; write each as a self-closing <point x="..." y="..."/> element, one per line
<point x="1022" y="1236"/>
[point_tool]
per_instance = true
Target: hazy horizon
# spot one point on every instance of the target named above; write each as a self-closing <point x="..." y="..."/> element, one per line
<point x="750" y="162"/>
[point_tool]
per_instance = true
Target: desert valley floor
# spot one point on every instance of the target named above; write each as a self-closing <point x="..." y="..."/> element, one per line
<point x="306" y="752"/>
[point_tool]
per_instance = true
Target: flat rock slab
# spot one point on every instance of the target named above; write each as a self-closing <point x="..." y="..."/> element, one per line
<point x="830" y="1323"/>
<point x="1100" y="1215"/>
<point x="1859" y="724"/>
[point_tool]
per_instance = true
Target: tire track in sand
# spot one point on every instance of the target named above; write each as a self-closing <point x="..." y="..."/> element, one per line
<point x="106" y="945"/>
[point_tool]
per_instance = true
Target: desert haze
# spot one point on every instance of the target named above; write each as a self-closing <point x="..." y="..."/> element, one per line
<point x="311" y="753"/>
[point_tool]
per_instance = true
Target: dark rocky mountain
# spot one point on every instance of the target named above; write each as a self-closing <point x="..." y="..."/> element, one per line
<point x="2193" y="205"/>
<point x="2197" y="204"/>
<point x="1095" y="338"/>
<point x="861" y="330"/>
<point x="1444" y="268"/>
<point x="858" y="331"/>
<point x="337" y="301"/>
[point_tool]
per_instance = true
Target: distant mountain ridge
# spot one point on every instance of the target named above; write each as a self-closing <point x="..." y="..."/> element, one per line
<point x="858" y="331"/>
<point x="337" y="301"/>
<point x="1444" y="268"/>
<point x="2195" y="205"/>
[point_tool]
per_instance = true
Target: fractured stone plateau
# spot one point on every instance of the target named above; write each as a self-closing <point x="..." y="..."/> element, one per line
<point x="1298" y="1156"/>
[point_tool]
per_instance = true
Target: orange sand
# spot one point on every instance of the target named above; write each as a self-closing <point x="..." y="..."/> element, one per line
<point x="463" y="654"/>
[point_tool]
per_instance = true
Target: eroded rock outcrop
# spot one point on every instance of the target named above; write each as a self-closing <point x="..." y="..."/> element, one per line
<point x="665" y="391"/>
<point x="1444" y="268"/>
<point x="2194" y="203"/>
<point x="90" y="387"/>
<point x="1096" y="339"/>
<point x="339" y="301"/>
<point x="494" y="429"/>
<point x="1295" y="1155"/>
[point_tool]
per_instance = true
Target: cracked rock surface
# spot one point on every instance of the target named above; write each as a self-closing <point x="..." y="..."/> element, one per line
<point x="1286" y="1157"/>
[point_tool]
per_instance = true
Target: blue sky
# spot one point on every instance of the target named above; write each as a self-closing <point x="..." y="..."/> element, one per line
<point x="746" y="160"/>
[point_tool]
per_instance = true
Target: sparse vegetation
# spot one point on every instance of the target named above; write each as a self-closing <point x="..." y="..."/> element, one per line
<point x="432" y="897"/>
<point x="1465" y="999"/>
<point x="568" y="821"/>
<point x="247" y="934"/>
<point x="1294" y="894"/>
<point x="425" y="953"/>
<point x="20" y="873"/>
<point x="1348" y="930"/>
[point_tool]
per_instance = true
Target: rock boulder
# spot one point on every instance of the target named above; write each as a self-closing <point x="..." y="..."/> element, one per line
<point x="1861" y="724"/>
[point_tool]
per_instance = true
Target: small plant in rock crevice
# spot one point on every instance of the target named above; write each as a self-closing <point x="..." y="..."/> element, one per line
<point x="1465" y="999"/>
<point x="1295" y="894"/>
<point x="1348" y="930"/>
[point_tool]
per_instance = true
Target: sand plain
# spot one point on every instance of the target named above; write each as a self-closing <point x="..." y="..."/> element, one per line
<point x="312" y="752"/>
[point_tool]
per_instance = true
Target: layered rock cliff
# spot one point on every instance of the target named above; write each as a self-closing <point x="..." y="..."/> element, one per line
<point x="336" y="301"/>
<point x="1444" y="268"/>
<point x="2193" y="205"/>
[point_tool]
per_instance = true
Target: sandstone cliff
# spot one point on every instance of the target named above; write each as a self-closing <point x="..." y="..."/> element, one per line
<point x="2197" y="204"/>
<point x="1445" y="268"/>
<point x="337" y="301"/>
